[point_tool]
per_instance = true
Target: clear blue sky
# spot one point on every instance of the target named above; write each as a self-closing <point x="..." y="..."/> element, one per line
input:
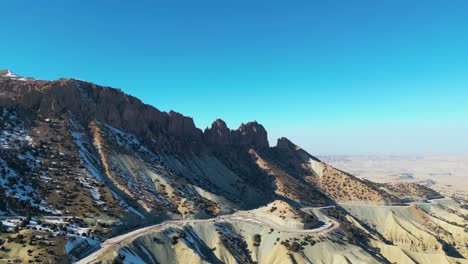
<point x="336" y="77"/>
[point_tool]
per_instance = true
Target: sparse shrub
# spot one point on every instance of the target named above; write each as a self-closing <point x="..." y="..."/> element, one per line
<point x="174" y="239"/>
<point x="257" y="240"/>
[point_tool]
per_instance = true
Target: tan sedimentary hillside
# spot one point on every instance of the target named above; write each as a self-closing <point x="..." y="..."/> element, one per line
<point x="281" y="213"/>
<point x="420" y="232"/>
<point x="290" y="187"/>
<point x="367" y="234"/>
<point x="234" y="242"/>
<point x="411" y="190"/>
<point x="336" y="184"/>
<point x="444" y="173"/>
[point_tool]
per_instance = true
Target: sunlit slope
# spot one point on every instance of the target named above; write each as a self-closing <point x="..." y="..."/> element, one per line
<point x="237" y="242"/>
<point x="420" y="231"/>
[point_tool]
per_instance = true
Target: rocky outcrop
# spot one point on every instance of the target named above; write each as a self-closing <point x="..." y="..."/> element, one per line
<point x="183" y="126"/>
<point x="218" y="134"/>
<point x="285" y="144"/>
<point x="5" y="73"/>
<point x="87" y="102"/>
<point x="251" y="134"/>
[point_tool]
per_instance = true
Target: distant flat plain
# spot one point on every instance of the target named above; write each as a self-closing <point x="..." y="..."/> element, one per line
<point x="447" y="174"/>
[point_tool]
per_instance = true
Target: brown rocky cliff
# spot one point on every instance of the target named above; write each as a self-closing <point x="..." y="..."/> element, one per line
<point x="218" y="134"/>
<point x="87" y="101"/>
<point x="251" y="134"/>
<point x="285" y="144"/>
<point x="183" y="126"/>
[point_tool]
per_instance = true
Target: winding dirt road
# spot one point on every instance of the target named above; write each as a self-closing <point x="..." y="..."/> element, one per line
<point x="115" y="242"/>
<point x="328" y="226"/>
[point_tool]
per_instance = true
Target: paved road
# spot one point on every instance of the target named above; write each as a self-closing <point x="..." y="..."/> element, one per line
<point x="128" y="237"/>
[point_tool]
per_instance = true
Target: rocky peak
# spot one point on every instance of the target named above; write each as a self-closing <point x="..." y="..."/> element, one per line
<point x="183" y="126"/>
<point x="219" y="123"/>
<point x="5" y="72"/>
<point x="8" y="74"/>
<point x="218" y="134"/>
<point x="251" y="134"/>
<point x="285" y="144"/>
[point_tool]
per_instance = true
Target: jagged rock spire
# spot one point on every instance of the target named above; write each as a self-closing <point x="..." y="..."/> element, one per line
<point x="251" y="134"/>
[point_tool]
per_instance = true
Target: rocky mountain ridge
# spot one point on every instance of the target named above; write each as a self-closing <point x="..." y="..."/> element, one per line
<point x="113" y="107"/>
<point x="82" y="163"/>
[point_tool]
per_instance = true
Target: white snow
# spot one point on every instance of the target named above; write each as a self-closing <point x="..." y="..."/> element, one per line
<point x="11" y="223"/>
<point x="74" y="242"/>
<point x="57" y="221"/>
<point x="19" y="188"/>
<point x="86" y="155"/>
<point x="130" y="142"/>
<point x="13" y="136"/>
<point x="10" y="74"/>
<point x="90" y="174"/>
<point x="131" y="209"/>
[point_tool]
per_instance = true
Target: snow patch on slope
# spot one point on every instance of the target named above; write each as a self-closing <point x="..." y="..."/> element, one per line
<point x="9" y="74"/>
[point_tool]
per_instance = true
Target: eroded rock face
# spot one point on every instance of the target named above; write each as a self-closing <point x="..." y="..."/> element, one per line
<point x="251" y="134"/>
<point x="183" y="126"/>
<point x="285" y="144"/>
<point x="87" y="102"/>
<point x="218" y="134"/>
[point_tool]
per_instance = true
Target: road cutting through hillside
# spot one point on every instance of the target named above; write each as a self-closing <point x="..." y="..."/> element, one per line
<point x="115" y="242"/>
<point x="428" y="202"/>
<point x="327" y="227"/>
<point x="350" y="203"/>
